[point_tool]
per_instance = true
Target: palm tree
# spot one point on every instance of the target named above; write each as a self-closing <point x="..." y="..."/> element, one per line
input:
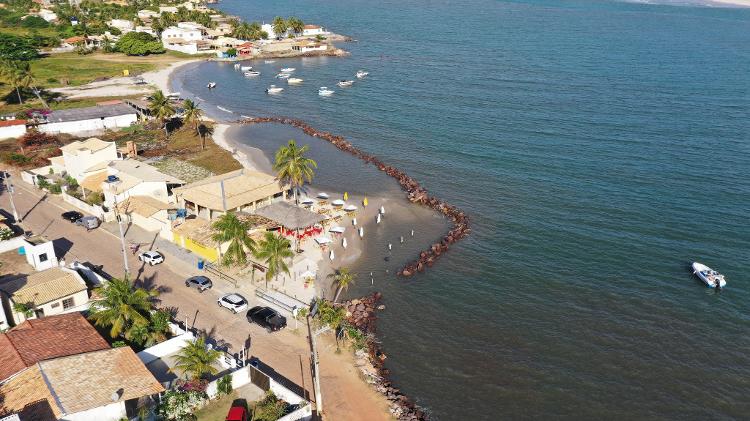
<point x="230" y="228"/>
<point x="256" y="31"/>
<point x="279" y="26"/>
<point x="10" y="74"/>
<point x="122" y="308"/>
<point x="342" y="277"/>
<point x="243" y="30"/>
<point x="154" y="332"/>
<point x="204" y="131"/>
<point x="191" y="113"/>
<point x="293" y="167"/>
<point x="195" y="360"/>
<point x="296" y="25"/>
<point x="161" y="109"/>
<point x="273" y="250"/>
<point x="26" y="78"/>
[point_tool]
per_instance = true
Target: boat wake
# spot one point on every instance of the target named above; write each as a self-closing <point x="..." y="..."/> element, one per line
<point x="225" y="109"/>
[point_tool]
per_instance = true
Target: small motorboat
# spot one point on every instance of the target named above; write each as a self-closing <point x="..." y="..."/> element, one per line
<point x="710" y="277"/>
<point x="237" y="66"/>
<point x="324" y="91"/>
<point x="211" y="85"/>
<point x="294" y="81"/>
<point x="270" y="61"/>
<point x="273" y="89"/>
<point x="345" y="83"/>
<point x="246" y="68"/>
<point x="361" y="74"/>
<point x="283" y="76"/>
<point x="251" y="73"/>
<point x="287" y="70"/>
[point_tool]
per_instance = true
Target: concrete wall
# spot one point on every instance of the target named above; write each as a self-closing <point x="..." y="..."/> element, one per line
<point x="165" y="348"/>
<point x="12" y="131"/>
<point x="89" y="127"/>
<point x="112" y="412"/>
<point x="80" y="204"/>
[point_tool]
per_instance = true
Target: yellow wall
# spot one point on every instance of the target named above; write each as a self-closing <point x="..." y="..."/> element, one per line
<point x="207" y="253"/>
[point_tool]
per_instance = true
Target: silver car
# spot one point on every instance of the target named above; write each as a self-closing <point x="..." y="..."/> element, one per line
<point x="234" y="302"/>
<point x="201" y="283"/>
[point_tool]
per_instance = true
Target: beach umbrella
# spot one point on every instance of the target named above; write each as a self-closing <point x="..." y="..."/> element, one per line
<point x="354" y="221"/>
<point x="350" y="208"/>
<point x="346" y="196"/>
<point x="361" y="232"/>
<point x="343" y="243"/>
<point x="338" y="202"/>
<point x="364" y="202"/>
<point x="330" y="255"/>
<point x="337" y="230"/>
<point x="322" y="195"/>
<point x="323" y="240"/>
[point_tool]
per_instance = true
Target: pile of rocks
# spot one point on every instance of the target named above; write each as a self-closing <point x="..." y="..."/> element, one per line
<point x="415" y="192"/>
<point x="361" y="313"/>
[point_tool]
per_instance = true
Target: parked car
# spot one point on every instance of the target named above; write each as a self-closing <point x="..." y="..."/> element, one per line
<point x="88" y="222"/>
<point x="72" y="216"/>
<point x="267" y="318"/>
<point x="234" y="302"/>
<point x="200" y="282"/>
<point x="238" y="411"/>
<point x="151" y="257"/>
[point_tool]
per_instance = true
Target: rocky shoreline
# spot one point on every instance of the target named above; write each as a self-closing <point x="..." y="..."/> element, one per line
<point x="415" y="192"/>
<point x="361" y="313"/>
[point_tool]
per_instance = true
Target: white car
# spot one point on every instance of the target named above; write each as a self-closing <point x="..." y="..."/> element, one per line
<point x="234" y="302"/>
<point x="151" y="257"/>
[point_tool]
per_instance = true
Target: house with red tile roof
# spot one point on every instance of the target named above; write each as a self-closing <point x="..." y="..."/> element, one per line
<point x="50" y="337"/>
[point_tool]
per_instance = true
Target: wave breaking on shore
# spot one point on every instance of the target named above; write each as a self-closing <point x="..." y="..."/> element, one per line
<point x="415" y="192"/>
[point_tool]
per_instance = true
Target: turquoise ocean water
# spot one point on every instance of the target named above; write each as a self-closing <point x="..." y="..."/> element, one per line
<point x="599" y="146"/>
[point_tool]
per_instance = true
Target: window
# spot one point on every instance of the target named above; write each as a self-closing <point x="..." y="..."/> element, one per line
<point x="68" y="303"/>
<point x="42" y="257"/>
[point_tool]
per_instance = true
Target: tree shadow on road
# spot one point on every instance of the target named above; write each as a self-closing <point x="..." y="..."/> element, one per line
<point x="62" y="246"/>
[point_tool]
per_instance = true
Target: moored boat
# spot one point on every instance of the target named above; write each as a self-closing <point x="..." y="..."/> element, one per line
<point x="246" y="68"/>
<point x="345" y="83"/>
<point x="273" y="89"/>
<point x="211" y="85"/>
<point x="287" y="70"/>
<point x="294" y="81"/>
<point x="324" y="91"/>
<point x="361" y="74"/>
<point x="282" y="76"/>
<point x="710" y="277"/>
<point x="251" y="73"/>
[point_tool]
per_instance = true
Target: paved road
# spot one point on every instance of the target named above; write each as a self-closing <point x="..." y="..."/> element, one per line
<point x="345" y="396"/>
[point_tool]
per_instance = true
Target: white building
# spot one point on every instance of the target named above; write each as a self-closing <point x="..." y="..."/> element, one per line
<point x="167" y="9"/>
<point x="269" y="29"/>
<point x="136" y="178"/>
<point x="309" y="45"/>
<point x="89" y="120"/>
<point x="123" y="25"/>
<point x="53" y="291"/>
<point x="146" y="29"/>
<point x="146" y="14"/>
<point x="12" y="128"/>
<point x="82" y="159"/>
<point x="185" y="39"/>
<point x="47" y="15"/>
<point x="314" y="30"/>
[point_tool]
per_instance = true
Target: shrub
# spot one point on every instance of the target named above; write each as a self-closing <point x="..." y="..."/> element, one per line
<point x="16" y="158"/>
<point x="34" y="139"/>
<point x="42" y="183"/>
<point x="34" y="22"/>
<point x="270" y="408"/>
<point x="224" y="385"/>
<point x="14" y="47"/>
<point x="7" y="234"/>
<point x="139" y="44"/>
<point x="95" y="198"/>
<point x="55" y="188"/>
<point x="180" y="405"/>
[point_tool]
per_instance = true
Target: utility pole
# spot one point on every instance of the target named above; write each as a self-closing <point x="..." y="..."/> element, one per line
<point x="6" y="176"/>
<point x="113" y="189"/>
<point x="316" y="373"/>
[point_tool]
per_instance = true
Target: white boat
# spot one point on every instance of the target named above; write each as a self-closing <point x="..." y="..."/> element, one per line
<point x="282" y="76"/>
<point x="361" y="74"/>
<point x="324" y="91"/>
<point x="237" y="66"/>
<point x="273" y="89"/>
<point x="270" y="61"/>
<point x="211" y="85"/>
<point x="294" y="81"/>
<point x="350" y="208"/>
<point x="246" y="68"/>
<point x="710" y="277"/>
<point x="251" y="73"/>
<point x="345" y="83"/>
<point x="338" y="202"/>
<point x="323" y="196"/>
<point x="287" y="70"/>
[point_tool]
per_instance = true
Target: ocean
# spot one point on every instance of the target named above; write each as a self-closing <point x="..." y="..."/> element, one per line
<point x="599" y="147"/>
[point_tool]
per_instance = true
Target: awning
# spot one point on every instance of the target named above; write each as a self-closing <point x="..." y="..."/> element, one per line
<point x="323" y="240"/>
<point x="289" y="215"/>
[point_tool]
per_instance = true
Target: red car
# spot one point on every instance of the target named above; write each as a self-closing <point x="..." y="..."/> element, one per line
<point x="237" y="412"/>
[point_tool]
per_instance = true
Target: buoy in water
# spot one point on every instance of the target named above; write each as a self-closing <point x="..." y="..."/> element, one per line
<point x="402" y="239"/>
<point x="390" y="246"/>
<point x="361" y="232"/>
<point x="377" y="219"/>
<point x="412" y="233"/>
<point x="354" y="221"/>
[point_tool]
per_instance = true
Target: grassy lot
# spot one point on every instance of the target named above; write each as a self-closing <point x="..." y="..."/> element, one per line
<point x="33" y="103"/>
<point x="216" y="410"/>
<point x="54" y="70"/>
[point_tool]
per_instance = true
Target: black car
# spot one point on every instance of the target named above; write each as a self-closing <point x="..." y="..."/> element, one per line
<point x="201" y="283"/>
<point x="267" y="318"/>
<point x="72" y="216"/>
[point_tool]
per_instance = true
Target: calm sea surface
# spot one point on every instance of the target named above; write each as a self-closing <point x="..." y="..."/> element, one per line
<point x="599" y="146"/>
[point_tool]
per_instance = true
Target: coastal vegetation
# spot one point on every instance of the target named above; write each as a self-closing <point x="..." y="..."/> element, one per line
<point x="196" y="360"/>
<point x="161" y="109"/>
<point x="342" y="278"/>
<point x="293" y="167"/>
<point x="274" y="250"/>
<point x="229" y="228"/>
<point x="138" y="44"/>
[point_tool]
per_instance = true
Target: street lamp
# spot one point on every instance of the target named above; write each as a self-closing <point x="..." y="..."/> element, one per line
<point x="316" y="361"/>
<point x="113" y="182"/>
<point x="6" y="176"/>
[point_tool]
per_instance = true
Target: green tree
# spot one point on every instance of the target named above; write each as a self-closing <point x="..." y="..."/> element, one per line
<point x="343" y="278"/>
<point x="279" y="26"/>
<point x="195" y="360"/>
<point x="139" y="44"/>
<point x="122" y="308"/>
<point x="191" y="113"/>
<point x="270" y="408"/>
<point x="224" y="385"/>
<point x="14" y="47"/>
<point x="229" y="228"/>
<point x="203" y="131"/>
<point x="296" y="25"/>
<point x="293" y="167"/>
<point x="161" y="109"/>
<point x="27" y="309"/>
<point x="11" y="76"/>
<point x="156" y="331"/>
<point x="274" y="250"/>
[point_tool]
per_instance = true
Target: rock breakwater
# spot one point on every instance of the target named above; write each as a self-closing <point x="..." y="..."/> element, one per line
<point x="415" y="192"/>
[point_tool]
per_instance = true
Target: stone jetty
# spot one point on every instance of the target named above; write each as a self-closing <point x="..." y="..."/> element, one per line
<point x="415" y="192"/>
<point x="362" y="313"/>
